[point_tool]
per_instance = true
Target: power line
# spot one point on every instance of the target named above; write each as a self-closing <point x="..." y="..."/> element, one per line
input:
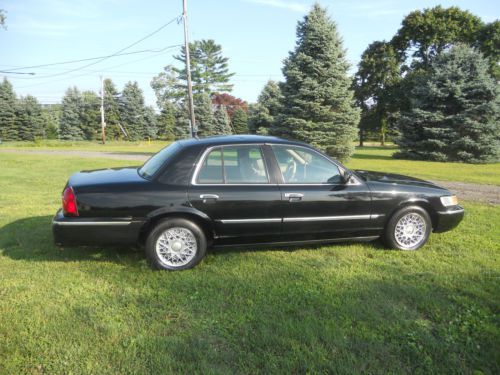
<point x="117" y="52"/>
<point x="81" y="60"/>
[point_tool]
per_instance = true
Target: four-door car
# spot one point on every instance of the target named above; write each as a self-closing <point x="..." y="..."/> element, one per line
<point x="246" y="190"/>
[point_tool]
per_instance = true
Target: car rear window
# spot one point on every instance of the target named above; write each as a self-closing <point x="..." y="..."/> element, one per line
<point x="154" y="163"/>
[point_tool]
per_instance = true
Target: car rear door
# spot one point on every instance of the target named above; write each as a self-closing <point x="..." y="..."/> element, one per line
<point x="232" y="185"/>
<point x="316" y="203"/>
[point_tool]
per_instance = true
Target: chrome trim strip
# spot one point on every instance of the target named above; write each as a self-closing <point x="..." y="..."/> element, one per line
<point x="90" y="223"/>
<point x="326" y="218"/>
<point x="249" y="221"/>
<point x="453" y="212"/>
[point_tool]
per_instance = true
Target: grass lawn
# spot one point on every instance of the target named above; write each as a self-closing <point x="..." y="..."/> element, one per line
<point x="351" y="308"/>
<point x="368" y="158"/>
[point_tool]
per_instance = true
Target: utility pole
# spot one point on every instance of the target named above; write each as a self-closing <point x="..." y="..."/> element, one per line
<point x="188" y="70"/>
<point x="103" y="123"/>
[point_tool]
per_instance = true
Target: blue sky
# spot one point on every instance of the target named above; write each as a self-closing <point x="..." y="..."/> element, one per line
<point x="255" y="34"/>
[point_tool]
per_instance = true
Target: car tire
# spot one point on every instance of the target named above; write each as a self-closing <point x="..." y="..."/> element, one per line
<point x="408" y="229"/>
<point x="175" y="244"/>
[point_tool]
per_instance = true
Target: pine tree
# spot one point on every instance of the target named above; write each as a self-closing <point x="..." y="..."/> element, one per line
<point x="262" y="115"/>
<point x="222" y="123"/>
<point x="131" y="106"/>
<point x="181" y="129"/>
<point x="151" y="123"/>
<point x="318" y="105"/>
<point x="209" y="69"/>
<point x="51" y="117"/>
<point x="29" y="119"/>
<point x="204" y="115"/>
<point x="70" y="122"/>
<point x="240" y="122"/>
<point x="454" y="113"/>
<point x="111" y="110"/>
<point x="90" y="114"/>
<point x="8" y="126"/>
<point x="166" y="121"/>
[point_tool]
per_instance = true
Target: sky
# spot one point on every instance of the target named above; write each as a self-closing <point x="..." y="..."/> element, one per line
<point x="256" y="35"/>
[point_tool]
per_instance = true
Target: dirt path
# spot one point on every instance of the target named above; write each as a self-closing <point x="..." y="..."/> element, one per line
<point x="464" y="190"/>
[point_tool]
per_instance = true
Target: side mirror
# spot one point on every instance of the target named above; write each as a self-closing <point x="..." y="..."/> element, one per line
<point x="346" y="177"/>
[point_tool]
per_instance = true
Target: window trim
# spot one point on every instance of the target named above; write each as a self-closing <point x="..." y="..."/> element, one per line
<point x="340" y="167"/>
<point x="204" y="155"/>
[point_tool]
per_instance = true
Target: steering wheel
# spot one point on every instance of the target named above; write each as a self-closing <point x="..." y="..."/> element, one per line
<point x="290" y="171"/>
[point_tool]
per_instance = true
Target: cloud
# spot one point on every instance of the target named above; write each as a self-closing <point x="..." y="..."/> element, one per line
<point x="288" y="5"/>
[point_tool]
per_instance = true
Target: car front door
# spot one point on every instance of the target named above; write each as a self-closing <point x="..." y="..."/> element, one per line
<point x="232" y="185"/>
<point x="317" y="204"/>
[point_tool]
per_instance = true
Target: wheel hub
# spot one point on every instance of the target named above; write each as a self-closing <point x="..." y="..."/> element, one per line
<point x="176" y="246"/>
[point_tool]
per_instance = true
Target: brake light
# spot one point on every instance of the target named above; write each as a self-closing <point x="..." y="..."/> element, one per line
<point x="69" y="202"/>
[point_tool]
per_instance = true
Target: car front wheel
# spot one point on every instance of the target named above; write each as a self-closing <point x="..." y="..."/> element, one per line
<point x="408" y="229"/>
<point x="175" y="244"/>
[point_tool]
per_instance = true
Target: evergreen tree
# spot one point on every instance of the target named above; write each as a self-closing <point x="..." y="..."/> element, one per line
<point x="8" y="126"/>
<point x="318" y="105"/>
<point x="454" y="114"/>
<point x="204" y="115"/>
<point x="209" y="69"/>
<point x="262" y="115"/>
<point x="51" y="116"/>
<point x="240" y="122"/>
<point x="181" y="129"/>
<point x="131" y="106"/>
<point x="166" y="121"/>
<point x="90" y="114"/>
<point x="29" y="119"/>
<point x="70" y="122"/>
<point x="111" y="110"/>
<point x="151" y="123"/>
<point x="222" y="123"/>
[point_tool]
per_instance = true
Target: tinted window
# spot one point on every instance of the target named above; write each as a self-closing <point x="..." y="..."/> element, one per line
<point x="233" y="165"/>
<point x="158" y="160"/>
<point x="300" y="165"/>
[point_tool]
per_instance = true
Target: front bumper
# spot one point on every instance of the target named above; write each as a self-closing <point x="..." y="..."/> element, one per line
<point x="94" y="231"/>
<point x="449" y="219"/>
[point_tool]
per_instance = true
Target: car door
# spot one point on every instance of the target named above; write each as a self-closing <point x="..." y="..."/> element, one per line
<point x="233" y="186"/>
<point x="317" y="204"/>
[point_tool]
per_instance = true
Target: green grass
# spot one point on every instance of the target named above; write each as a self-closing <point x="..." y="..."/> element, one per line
<point x="380" y="159"/>
<point x="368" y="158"/>
<point x="348" y="308"/>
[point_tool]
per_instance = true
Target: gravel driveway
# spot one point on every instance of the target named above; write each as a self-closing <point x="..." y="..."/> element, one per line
<point x="464" y="190"/>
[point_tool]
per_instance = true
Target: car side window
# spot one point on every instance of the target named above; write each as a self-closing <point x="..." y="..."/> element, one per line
<point x="234" y="165"/>
<point x="300" y="165"/>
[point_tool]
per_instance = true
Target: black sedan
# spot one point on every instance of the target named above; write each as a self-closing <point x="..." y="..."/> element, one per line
<point x="246" y="190"/>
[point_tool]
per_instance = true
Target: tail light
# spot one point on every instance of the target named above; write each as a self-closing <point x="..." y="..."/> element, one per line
<point x="69" y="202"/>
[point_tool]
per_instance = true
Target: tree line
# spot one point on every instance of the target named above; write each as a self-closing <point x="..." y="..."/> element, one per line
<point x="432" y="89"/>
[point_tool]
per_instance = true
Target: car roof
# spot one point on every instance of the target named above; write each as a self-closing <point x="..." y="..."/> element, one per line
<point x="237" y="139"/>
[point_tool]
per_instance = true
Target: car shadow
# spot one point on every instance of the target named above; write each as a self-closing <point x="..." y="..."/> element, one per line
<point x="31" y="239"/>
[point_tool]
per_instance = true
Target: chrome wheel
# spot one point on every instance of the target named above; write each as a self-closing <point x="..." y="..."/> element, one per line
<point x="410" y="231"/>
<point x="176" y="246"/>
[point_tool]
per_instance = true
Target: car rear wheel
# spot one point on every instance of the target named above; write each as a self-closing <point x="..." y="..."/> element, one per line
<point x="408" y="229"/>
<point x="175" y="244"/>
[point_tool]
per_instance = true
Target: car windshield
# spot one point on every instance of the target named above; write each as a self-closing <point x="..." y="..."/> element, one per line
<point x="156" y="161"/>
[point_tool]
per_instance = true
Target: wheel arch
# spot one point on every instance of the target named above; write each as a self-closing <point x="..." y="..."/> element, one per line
<point x="202" y="220"/>
<point x="419" y="202"/>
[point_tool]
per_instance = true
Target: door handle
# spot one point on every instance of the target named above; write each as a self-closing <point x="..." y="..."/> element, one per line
<point x="207" y="197"/>
<point x="294" y="197"/>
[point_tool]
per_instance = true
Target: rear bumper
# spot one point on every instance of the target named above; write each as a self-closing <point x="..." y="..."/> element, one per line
<point x="449" y="219"/>
<point x="94" y="231"/>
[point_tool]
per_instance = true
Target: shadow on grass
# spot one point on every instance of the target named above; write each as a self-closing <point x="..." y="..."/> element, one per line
<point x="31" y="239"/>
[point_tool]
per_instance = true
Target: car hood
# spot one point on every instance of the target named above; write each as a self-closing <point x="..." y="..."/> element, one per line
<point x="395" y="179"/>
<point x="110" y="176"/>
